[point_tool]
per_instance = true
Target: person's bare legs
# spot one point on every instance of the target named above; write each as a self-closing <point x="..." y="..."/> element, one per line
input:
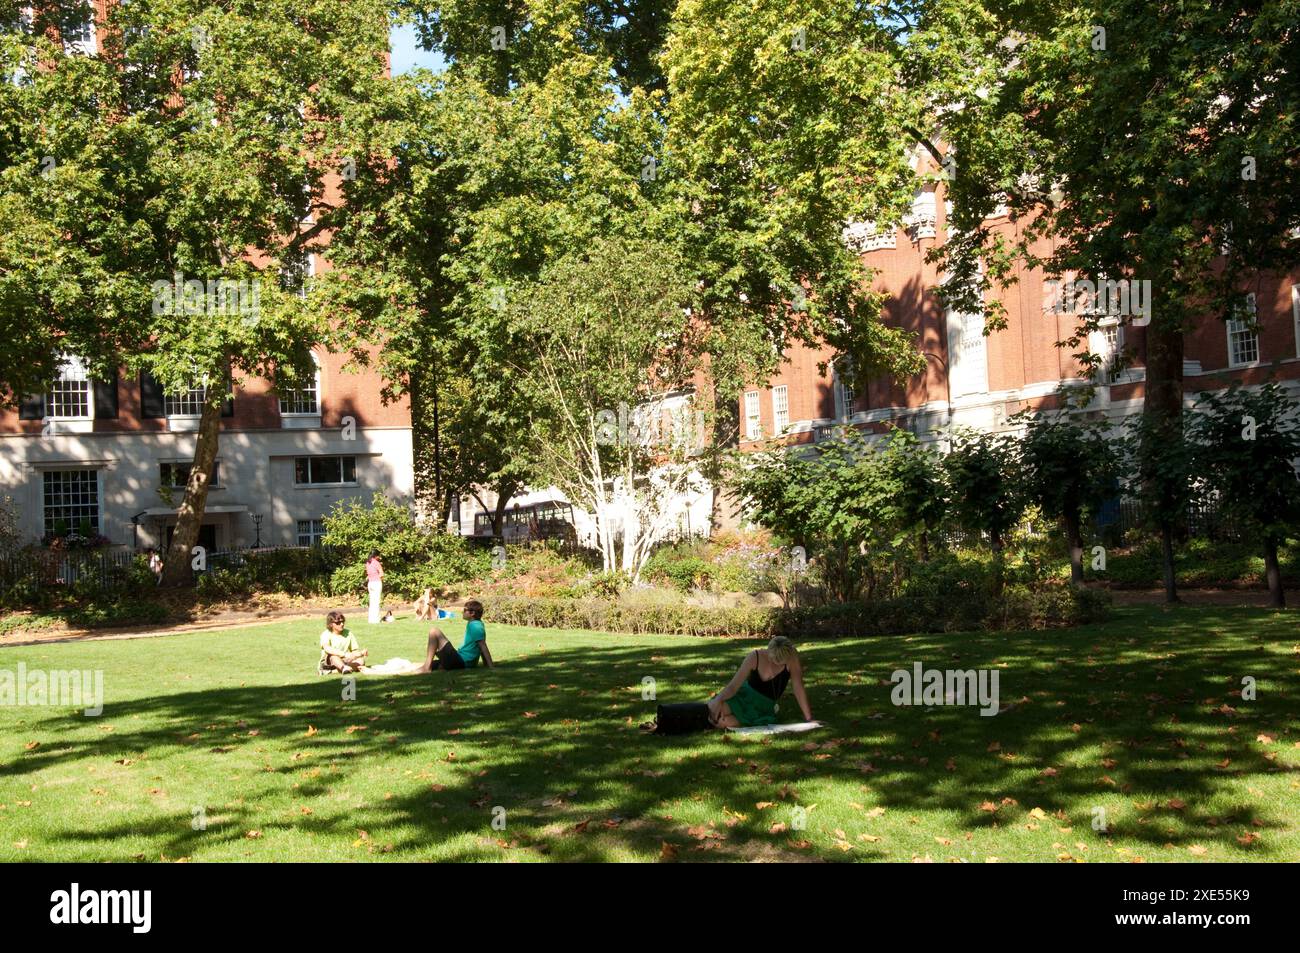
<point x="436" y="641"/>
<point x="725" y="718"/>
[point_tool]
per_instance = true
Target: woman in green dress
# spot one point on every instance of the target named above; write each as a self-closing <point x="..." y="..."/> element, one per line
<point x="750" y="697"/>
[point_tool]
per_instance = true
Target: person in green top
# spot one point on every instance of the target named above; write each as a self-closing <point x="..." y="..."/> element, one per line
<point x="339" y="651"/>
<point x="442" y="655"/>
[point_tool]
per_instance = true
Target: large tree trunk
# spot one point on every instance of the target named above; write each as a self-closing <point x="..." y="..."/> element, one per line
<point x="1163" y="401"/>
<point x="505" y="492"/>
<point x="1273" y="572"/>
<point x="177" y="569"/>
<point x="1074" y="536"/>
<point x="999" y="561"/>
<point x="1163" y="406"/>
<point x="1167" y="551"/>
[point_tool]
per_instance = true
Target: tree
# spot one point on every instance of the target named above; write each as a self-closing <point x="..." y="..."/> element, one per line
<point x="986" y="476"/>
<point x="186" y="160"/>
<point x="1149" y="142"/>
<point x="853" y="505"/>
<point x="918" y="491"/>
<point x="787" y="121"/>
<point x="607" y="349"/>
<point x="1162" y="471"/>
<point x="1246" y="444"/>
<point x="1071" y="468"/>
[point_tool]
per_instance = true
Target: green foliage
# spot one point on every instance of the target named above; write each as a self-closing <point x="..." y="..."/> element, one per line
<point x="414" y="559"/>
<point x="296" y="572"/>
<point x="1071" y="466"/>
<point x="116" y="609"/>
<point x="985" y="472"/>
<point x="1246" y="443"/>
<point x="926" y="609"/>
<point x="1199" y="564"/>
<point x="684" y="567"/>
<point x="858" y="508"/>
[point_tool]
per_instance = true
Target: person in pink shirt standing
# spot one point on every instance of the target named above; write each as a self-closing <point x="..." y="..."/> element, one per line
<point x="375" y="583"/>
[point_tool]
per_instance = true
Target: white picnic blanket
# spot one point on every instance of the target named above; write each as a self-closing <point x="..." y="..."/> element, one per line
<point x="394" y="666"/>
<point x="777" y="729"/>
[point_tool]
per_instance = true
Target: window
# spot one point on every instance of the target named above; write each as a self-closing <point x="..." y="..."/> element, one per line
<point x="318" y="471"/>
<point x="753" y="424"/>
<point x="310" y="532"/>
<point x="1243" y="336"/>
<point x="781" y="408"/>
<point x="296" y="272"/>
<point x="71" y="502"/>
<point x="1107" y="342"/>
<point x="177" y="475"/>
<point x="188" y="403"/>
<point x="70" y="392"/>
<point x="79" y="35"/>
<point x="1295" y="315"/>
<point x="303" y="400"/>
<point x="968" y="371"/>
<point x="844" y="390"/>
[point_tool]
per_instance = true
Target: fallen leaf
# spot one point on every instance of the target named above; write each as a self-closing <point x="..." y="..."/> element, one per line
<point x="311" y="730"/>
<point x="667" y="851"/>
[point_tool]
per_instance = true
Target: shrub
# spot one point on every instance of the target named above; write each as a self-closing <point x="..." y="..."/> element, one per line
<point x="114" y="610"/>
<point x="1017" y="607"/>
<point x="682" y="567"/>
<point x="297" y="572"/>
<point x="414" y="559"/>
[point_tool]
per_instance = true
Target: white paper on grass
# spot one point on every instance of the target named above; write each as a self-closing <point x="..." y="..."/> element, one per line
<point x="777" y="729"/>
<point x="394" y="666"/>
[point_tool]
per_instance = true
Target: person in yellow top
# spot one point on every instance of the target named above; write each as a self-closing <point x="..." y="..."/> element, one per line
<point x="339" y="651"/>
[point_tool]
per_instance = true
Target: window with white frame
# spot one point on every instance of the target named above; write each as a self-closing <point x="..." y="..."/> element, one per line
<point x="781" y="409"/>
<point x="70" y="500"/>
<point x="1243" y="336"/>
<point x="968" y="368"/>
<point x="324" y="471"/>
<point x="79" y="34"/>
<point x="176" y="476"/>
<point x="1107" y="342"/>
<point x="311" y="532"/>
<point x="70" y="391"/>
<point x="844" y="387"/>
<point x="296" y="272"/>
<point x="304" y="400"/>
<point x="753" y="423"/>
<point x="187" y="403"/>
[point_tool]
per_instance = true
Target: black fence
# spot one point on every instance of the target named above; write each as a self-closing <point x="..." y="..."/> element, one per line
<point x="34" y="570"/>
<point x="37" y="569"/>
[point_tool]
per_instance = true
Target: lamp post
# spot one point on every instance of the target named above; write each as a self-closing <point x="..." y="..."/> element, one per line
<point x="257" y="525"/>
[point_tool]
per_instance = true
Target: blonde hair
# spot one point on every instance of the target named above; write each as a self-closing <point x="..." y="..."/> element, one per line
<point x="781" y="649"/>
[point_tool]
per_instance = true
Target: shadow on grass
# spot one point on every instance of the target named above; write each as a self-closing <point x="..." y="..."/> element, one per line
<point x="1148" y="722"/>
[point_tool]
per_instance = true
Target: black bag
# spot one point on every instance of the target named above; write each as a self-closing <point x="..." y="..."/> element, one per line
<point x="682" y="718"/>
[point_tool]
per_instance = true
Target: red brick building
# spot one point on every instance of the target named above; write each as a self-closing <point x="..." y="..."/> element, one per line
<point x="112" y="456"/>
<point x="977" y="380"/>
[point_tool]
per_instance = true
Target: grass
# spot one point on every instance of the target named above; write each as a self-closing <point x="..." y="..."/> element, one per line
<point x="1127" y="717"/>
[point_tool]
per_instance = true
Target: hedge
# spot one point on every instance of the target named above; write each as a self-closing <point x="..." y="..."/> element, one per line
<point x="1018" y="607"/>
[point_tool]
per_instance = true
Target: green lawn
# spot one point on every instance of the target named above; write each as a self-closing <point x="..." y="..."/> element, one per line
<point x="1129" y="717"/>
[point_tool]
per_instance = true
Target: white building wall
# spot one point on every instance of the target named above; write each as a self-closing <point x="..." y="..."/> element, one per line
<point x="256" y="476"/>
